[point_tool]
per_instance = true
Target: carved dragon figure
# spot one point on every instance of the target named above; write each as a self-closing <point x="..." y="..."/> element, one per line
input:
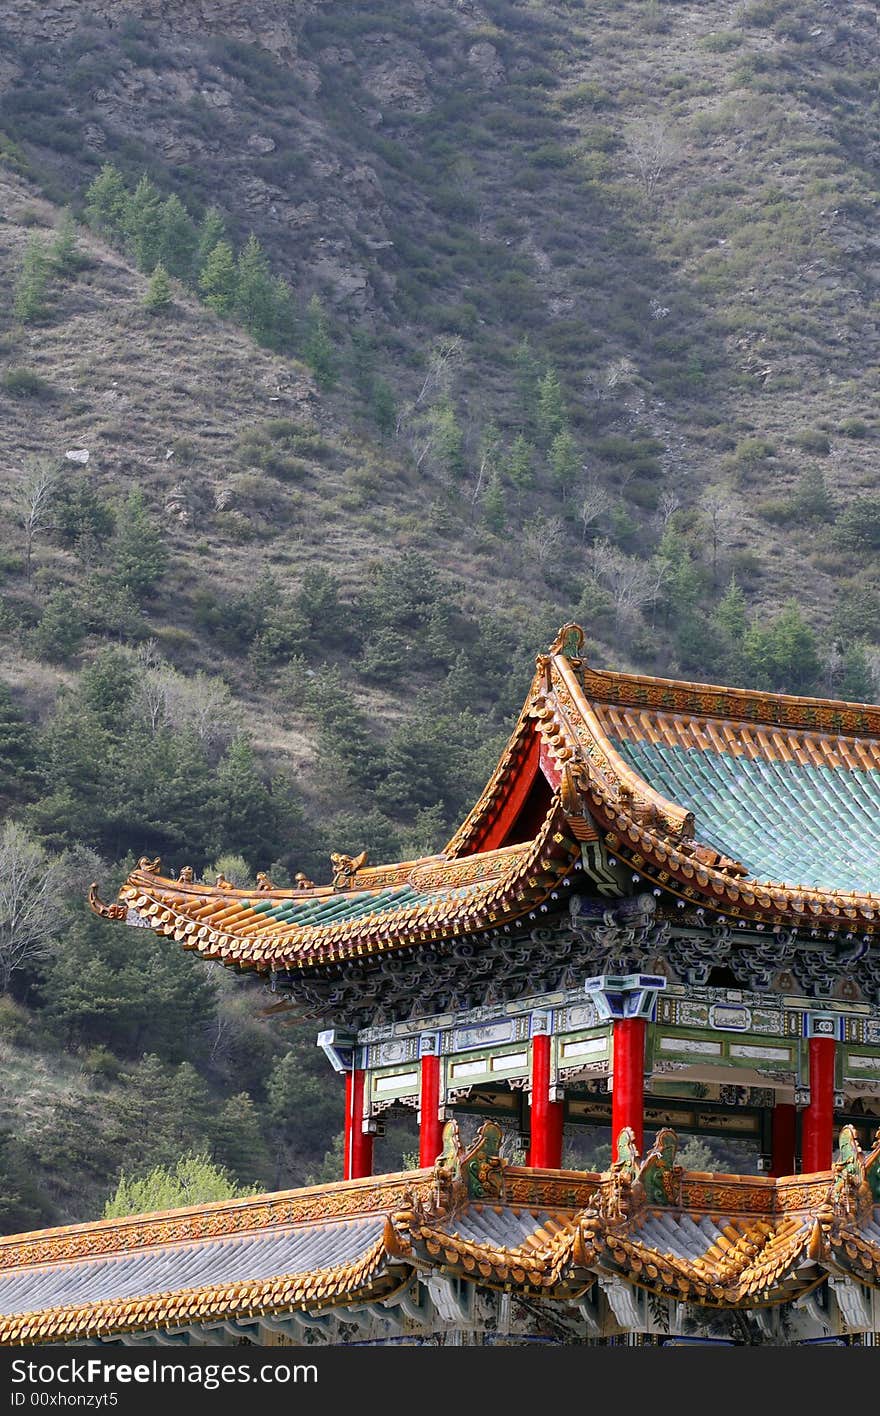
<point x="473" y="1173"/>
<point x="872" y="1169"/>
<point x="852" y="1192"/>
<point x="345" y="868"/>
<point x="659" y="1174"/>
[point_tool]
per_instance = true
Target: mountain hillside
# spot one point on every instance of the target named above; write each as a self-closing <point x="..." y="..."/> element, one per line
<point x="346" y="352"/>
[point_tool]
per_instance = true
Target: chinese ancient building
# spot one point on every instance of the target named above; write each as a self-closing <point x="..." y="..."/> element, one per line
<point x="661" y="916"/>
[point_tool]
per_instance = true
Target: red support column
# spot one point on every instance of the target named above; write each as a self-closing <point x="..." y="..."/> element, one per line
<point x="784" y="1127"/>
<point x="628" y="1085"/>
<point x="430" y="1125"/>
<point x="817" y="1131"/>
<point x="358" y="1157"/>
<point x="545" y="1151"/>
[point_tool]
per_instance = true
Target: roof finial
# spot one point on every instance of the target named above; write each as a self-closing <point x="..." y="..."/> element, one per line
<point x="569" y="641"/>
<point x="345" y="868"/>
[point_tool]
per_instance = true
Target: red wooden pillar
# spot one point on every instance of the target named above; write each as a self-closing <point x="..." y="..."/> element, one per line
<point x="358" y="1157"/>
<point x="817" y="1129"/>
<point x="545" y="1151"/>
<point x="782" y="1140"/>
<point x="628" y="1085"/>
<point x="430" y="1125"/>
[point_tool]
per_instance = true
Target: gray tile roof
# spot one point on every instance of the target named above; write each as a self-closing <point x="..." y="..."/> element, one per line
<point x="181" y="1266"/>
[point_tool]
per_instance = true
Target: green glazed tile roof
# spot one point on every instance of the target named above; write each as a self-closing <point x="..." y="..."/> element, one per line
<point x="350" y="904"/>
<point x="801" y="825"/>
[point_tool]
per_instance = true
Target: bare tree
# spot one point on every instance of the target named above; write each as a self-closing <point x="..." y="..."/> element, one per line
<point x="31" y="500"/>
<point x="201" y="705"/>
<point x="721" y="512"/>
<point x="488" y="451"/>
<point x="632" y="583"/>
<point x="595" y="501"/>
<point x="29" y="883"/>
<point x="654" y="148"/>
<point x="541" y="536"/>
<point x="667" y="507"/>
<point x="444" y="356"/>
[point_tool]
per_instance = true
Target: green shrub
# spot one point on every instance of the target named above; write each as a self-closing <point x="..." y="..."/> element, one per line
<point x="721" y="42"/>
<point x="854" y="428"/>
<point x="812" y="440"/>
<point x="26" y="383"/>
<point x="858" y="526"/>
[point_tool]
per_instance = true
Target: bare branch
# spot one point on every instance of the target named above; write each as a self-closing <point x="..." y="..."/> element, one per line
<point x="595" y="501"/>
<point x="632" y="583"/>
<point x="667" y="507"/>
<point x="31" y="500"/>
<point x="541" y="536"/>
<point x="722" y="514"/>
<point x="442" y="359"/>
<point x="654" y="148"/>
<point x="29" y="883"/>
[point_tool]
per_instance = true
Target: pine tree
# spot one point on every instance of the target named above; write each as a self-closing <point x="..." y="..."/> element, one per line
<point x="730" y="613"/>
<point x="563" y="460"/>
<point x="551" y="408"/>
<point x="495" y="503"/>
<point x="64" y="253"/>
<point x="142" y="224"/>
<point x="61" y="630"/>
<point x="18" y="759"/>
<point x="239" y="1144"/>
<point x="106" y="201"/>
<point x="812" y="500"/>
<point x="255" y="293"/>
<point x="383" y="407"/>
<point x="211" y="232"/>
<point x="218" y="279"/>
<point x="158" y="293"/>
<point x="526" y="371"/>
<point x="245" y="815"/>
<point x="783" y="656"/>
<point x="137" y="550"/>
<point x="520" y="464"/>
<point x="178" y="239"/>
<point x="318" y="347"/>
<point x="857" y="683"/>
<point x="447" y="439"/>
<point x="29" y="301"/>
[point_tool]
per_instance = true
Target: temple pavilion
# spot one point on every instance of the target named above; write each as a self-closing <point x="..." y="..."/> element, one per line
<point x="662" y="917"/>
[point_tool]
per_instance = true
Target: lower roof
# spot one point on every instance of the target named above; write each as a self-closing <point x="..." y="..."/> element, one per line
<point x="723" y="1241"/>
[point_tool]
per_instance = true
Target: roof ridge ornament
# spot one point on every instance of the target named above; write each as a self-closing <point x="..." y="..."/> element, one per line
<point x="345" y="868"/>
<point x="101" y="908"/>
<point x="569" y="642"/>
<point x="474" y="1172"/>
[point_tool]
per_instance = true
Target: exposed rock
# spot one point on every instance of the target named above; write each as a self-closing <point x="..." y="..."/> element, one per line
<point x="336" y="55"/>
<point x="267" y="23"/>
<point x="258" y="142"/>
<point x="400" y="83"/>
<point x="217" y="97"/>
<point x="484" y="57"/>
<point x="78" y="454"/>
<point x="309" y="76"/>
<point x="177" y="503"/>
<point x="348" y="284"/>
